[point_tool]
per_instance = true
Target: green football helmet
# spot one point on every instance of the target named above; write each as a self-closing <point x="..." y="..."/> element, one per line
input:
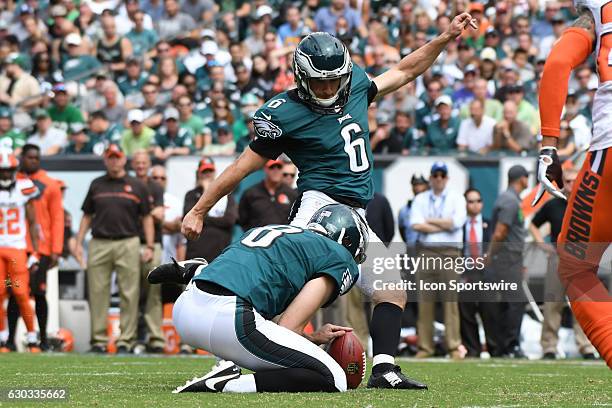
<point x="345" y="226"/>
<point x="322" y="56"/>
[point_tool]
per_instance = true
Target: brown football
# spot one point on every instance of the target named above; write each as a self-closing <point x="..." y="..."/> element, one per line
<point x="349" y="354"/>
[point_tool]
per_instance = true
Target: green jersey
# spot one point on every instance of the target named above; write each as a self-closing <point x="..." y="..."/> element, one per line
<point x="270" y="265"/>
<point x="331" y="151"/>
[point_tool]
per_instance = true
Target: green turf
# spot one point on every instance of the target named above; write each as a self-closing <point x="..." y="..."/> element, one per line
<point x="95" y="381"/>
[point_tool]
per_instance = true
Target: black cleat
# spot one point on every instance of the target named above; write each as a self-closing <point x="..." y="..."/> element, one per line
<point x="123" y="351"/>
<point x="214" y="381"/>
<point x="394" y="379"/>
<point x="589" y="356"/>
<point x="176" y="272"/>
<point x="549" y="356"/>
<point x="97" y="349"/>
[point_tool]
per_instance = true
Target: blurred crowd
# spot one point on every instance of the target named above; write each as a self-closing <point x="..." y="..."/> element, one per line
<point x="186" y="77"/>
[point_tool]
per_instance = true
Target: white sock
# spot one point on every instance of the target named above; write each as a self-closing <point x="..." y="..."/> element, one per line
<point x="383" y="358"/>
<point x="31" y="337"/>
<point x="3" y="335"/>
<point x="244" y="383"/>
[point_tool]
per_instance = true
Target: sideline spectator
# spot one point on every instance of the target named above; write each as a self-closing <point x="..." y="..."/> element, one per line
<point x="409" y="236"/>
<point x="173" y="242"/>
<point x="438" y="215"/>
<point x="220" y="220"/>
<point x="289" y="174"/>
<point x="152" y="306"/>
<point x="267" y="202"/>
<point x="113" y="208"/>
<point x="476" y="238"/>
<point x="505" y="261"/>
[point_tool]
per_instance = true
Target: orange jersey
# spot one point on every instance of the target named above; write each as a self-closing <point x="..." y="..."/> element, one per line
<point x="49" y="209"/>
<point x="13" y="226"/>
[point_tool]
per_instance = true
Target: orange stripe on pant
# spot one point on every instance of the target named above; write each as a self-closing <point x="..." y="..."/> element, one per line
<point x="14" y="272"/>
<point x="585" y="236"/>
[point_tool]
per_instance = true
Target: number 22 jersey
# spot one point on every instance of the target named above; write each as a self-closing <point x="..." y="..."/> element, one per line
<point x="12" y="213"/>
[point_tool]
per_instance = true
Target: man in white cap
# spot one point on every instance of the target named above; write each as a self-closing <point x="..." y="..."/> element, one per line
<point x="137" y="136"/>
<point x="171" y="139"/>
<point x="442" y="133"/>
<point x="78" y="62"/>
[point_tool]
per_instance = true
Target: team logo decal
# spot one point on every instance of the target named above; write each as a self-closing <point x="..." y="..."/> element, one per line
<point x="352" y="368"/>
<point x="265" y="128"/>
<point x="283" y="199"/>
<point x="127" y="188"/>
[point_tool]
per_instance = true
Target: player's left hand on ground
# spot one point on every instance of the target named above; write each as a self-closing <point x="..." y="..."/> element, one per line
<point x="549" y="170"/>
<point x="459" y="24"/>
<point x="328" y="332"/>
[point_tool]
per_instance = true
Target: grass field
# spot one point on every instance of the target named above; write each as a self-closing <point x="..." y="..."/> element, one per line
<point x="94" y="381"/>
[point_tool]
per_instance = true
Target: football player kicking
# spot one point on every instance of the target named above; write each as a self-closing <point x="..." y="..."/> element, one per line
<point x="273" y="270"/>
<point x="15" y="207"/>
<point x="322" y="126"/>
<point x="585" y="234"/>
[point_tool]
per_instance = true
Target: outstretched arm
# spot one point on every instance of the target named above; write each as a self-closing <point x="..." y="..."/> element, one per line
<point x="248" y="162"/>
<point x="571" y="50"/>
<point x="414" y="64"/>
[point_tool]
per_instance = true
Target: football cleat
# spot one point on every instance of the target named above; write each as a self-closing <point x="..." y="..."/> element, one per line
<point x="214" y="381"/>
<point x="176" y="272"/>
<point x="394" y="379"/>
<point x="4" y="348"/>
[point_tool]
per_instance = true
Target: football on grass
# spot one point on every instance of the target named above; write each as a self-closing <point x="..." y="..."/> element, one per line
<point x="349" y="354"/>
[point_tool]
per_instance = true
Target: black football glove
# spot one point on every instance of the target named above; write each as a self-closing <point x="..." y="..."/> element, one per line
<point x="549" y="170"/>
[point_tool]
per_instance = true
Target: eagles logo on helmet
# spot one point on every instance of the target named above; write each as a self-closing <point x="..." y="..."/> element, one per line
<point x="345" y="226"/>
<point x="324" y="57"/>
